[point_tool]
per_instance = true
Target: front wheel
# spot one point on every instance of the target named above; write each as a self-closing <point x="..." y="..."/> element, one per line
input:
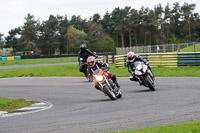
<point x="110" y="94"/>
<point x="149" y="83"/>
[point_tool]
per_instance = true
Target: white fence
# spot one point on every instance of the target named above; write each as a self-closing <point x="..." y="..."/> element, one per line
<point x="156" y="48"/>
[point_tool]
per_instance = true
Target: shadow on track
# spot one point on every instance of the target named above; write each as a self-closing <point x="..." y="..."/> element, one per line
<point x="101" y="100"/>
<point x="139" y="91"/>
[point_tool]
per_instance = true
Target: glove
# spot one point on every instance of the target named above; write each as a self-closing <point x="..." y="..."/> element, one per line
<point x="146" y="62"/>
<point x="106" y="67"/>
<point x="105" y="70"/>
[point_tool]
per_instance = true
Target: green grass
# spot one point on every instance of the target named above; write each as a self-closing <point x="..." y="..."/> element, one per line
<point x="38" y="61"/>
<point x="162" y="71"/>
<point x="191" y="49"/>
<point x="60" y="70"/>
<point x="186" y="71"/>
<point x="73" y="71"/>
<point x="7" y="104"/>
<point x="193" y="127"/>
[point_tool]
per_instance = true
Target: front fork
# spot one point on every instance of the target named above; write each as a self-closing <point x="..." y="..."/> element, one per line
<point x="139" y="80"/>
<point x="143" y="80"/>
<point x="150" y="73"/>
<point x="106" y="82"/>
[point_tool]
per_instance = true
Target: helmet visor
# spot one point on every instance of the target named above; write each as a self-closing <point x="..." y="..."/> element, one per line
<point x="131" y="59"/>
<point x="91" y="63"/>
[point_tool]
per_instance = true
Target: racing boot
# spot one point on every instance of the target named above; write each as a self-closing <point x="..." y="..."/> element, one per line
<point x="133" y="78"/>
<point x="118" y="86"/>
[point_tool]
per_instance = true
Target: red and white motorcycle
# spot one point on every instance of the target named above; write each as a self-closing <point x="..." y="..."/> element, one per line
<point x="105" y="84"/>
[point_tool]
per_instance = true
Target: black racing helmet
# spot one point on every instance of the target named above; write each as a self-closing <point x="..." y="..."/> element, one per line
<point x="83" y="47"/>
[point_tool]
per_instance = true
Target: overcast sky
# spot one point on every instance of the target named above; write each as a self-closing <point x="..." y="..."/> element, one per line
<point x="12" y="12"/>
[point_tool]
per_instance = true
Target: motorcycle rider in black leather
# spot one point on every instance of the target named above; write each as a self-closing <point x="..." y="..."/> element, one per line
<point x="104" y="66"/>
<point x="84" y="53"/>
<point x="131" y="59"/>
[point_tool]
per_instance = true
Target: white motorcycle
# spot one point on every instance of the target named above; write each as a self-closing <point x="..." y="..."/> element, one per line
<point x="144" y="75"/>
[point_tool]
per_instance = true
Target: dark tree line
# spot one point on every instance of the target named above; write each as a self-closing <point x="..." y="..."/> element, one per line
<point x="123" y="27"/>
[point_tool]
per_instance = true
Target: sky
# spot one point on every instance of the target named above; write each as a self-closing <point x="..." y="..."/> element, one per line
<point x="13" y="12"/>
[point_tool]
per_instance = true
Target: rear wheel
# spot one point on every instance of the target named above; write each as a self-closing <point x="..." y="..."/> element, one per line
<point x="149" y="83"/>
<point x="110" y="94"/>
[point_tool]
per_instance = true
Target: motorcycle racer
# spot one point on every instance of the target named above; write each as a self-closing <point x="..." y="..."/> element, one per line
<point x="93" y="65"/>
<point x="131" y="59"/>
<point x="83" y="54"/>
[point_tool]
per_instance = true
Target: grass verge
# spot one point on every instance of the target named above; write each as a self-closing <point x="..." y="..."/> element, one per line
<point x="73" y="71"/>
<point x="162" y="71"/>
<point x="42" y="71"/>
<point x="193" y="127"/>
<point x="38" y="61"/>
<point x="7" y="104"/>
<point x="191" y="48"/>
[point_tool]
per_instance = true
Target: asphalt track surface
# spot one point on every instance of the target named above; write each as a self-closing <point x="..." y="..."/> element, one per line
<point x="79" y="108"/>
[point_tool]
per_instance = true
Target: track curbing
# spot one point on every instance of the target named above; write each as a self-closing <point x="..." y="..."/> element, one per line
<point x="29" y="109"/>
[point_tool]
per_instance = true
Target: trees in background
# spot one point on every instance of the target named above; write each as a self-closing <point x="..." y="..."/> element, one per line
<point x="74" y="38"/>
<point x="48" y="38"/>
<point x="1" y="41"/>
<point x="122" y="27"/>
<point x="29" y="31"/>
<point x="13" y="38"/>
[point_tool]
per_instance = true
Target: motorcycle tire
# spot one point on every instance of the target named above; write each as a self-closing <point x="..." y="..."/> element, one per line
<point x="149" y="83"/>
<point x="109" y="93"/>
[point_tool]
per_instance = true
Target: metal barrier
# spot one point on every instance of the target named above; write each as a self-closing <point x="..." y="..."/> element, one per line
<point x="110" y="59"/>
<point x="101" y="58"/>
<point x="191" y="59"/>
<point x="3" y="58"/>
<point x="119" y="61"/>
<point x="165" y="59"/>
<point x="10" y="58"/>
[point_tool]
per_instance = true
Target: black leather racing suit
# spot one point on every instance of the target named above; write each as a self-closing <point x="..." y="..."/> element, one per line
<point x="84" y="54"/>
<point x="103" y="66"/>
<point x="130" y="66"/>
